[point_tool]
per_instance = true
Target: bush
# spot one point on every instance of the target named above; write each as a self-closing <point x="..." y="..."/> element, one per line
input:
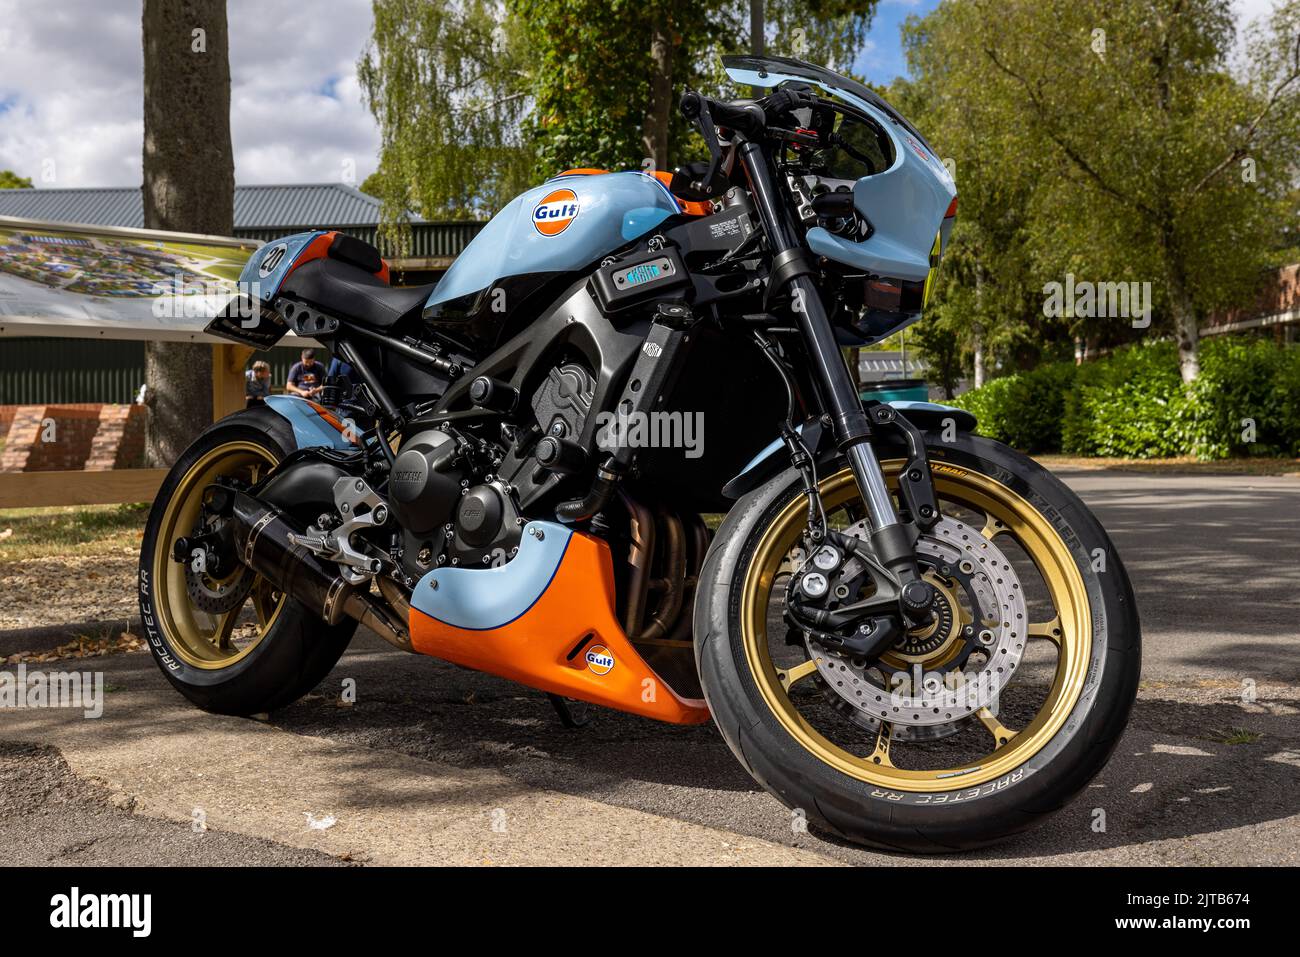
<point x="1023" y="410"/>
<point x="1124" y="405"/>
<point x="1246" y="400"/>
<point x="1133" y="403"/>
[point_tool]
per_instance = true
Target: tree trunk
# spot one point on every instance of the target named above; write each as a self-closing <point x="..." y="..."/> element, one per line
<point x="977" y="347"/>
<point x="1189" y="351"/>
<point x="189" y="186"/>
<point x="1185" y="329"/>
<point x="655" y="137"/>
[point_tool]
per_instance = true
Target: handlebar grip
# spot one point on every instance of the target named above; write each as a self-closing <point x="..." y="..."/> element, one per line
<point x="748" y="118"/>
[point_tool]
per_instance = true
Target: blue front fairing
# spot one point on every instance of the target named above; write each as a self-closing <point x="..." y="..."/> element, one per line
<point x="906" y="204"/>
<point x="593" y="215"/>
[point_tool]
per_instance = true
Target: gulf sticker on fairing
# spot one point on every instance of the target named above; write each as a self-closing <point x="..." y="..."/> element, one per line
<point x="599" y="659"/>
<point x="555" y="212"/>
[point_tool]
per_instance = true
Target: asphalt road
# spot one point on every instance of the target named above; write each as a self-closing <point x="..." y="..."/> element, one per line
<point x="433" y="763"/>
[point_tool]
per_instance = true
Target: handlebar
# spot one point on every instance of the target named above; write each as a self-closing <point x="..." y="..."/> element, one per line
<point x="747" y="118"/>
<point x="750" y="119"/>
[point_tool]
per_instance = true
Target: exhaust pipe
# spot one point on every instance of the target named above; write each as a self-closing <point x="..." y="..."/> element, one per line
<point x="263" y="538"/>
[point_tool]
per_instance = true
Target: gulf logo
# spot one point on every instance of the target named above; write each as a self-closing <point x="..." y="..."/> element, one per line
<point x="600" y="660"/>
<point x="557" y="209"/>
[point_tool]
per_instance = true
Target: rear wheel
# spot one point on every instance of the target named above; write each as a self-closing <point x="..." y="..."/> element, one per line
<point x="978" y="724"/>
<point x="224" y="636"/>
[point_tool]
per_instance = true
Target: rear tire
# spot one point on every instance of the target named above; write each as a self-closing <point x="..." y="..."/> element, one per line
<point x="865" y="805"/>
<point x="294" y="650"/>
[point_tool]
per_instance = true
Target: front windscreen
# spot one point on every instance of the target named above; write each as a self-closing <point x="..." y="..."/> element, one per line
<point x="784" y="66"/>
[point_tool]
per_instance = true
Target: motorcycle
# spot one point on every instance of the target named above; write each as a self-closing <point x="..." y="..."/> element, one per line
<point x="911" y="635"/>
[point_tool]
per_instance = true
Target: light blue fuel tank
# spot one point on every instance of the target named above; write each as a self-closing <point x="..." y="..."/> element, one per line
<point x="564" y="225"/>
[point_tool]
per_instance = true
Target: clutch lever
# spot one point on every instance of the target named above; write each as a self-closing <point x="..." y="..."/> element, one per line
<point x="696" y="181"/>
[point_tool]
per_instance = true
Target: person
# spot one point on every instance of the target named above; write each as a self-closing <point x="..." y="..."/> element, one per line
<point x="340" y="375"/>
<point x="257" y="383"/>
<point x="307" y="377"/>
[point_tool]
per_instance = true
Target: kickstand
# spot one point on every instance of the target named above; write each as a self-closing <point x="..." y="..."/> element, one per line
<point x="567" y="717"/>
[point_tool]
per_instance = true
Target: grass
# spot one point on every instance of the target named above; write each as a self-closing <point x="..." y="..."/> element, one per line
<point x="1182" y="464"/>
<point x="1237" y="736"/>
<point x="69" y="530"/>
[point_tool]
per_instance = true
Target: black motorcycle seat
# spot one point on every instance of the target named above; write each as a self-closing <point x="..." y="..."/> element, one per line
<point x="348" y="292"/>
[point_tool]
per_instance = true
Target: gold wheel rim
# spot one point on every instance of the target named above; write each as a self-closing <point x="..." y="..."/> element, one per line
<point x="1070" y="631"/>
<point x="202" y="639"/>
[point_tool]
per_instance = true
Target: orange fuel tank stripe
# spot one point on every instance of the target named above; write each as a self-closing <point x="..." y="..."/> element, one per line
<point x="547" y="647"/>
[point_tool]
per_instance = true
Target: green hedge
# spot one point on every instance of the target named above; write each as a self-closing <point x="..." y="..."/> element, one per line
<point x="1023" y="410"/>
<point x="1133" y="403"/>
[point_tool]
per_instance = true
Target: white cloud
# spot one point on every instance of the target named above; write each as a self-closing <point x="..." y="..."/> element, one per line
<point x="71" y="92"/>
<point x="1248" y="10"/>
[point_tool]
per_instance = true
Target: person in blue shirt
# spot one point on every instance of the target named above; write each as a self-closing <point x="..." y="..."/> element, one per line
<point x="307" y="377"/>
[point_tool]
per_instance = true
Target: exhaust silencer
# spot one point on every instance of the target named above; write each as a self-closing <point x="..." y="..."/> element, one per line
<point x="262" y="537"/>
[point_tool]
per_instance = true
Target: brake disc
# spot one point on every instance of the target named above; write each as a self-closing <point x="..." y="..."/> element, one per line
<point x="927" y="692"/>
<point x="216" y="596"/>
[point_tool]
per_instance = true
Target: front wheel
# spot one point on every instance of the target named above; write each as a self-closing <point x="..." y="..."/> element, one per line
<point x="974" y="726"/>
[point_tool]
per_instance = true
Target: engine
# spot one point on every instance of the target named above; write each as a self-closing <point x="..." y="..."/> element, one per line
<point x="450" y="505"/>
<point x="455" y="493"/>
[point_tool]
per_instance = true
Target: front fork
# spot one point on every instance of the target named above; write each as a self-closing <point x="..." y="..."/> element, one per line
<point x="892" y="541"/>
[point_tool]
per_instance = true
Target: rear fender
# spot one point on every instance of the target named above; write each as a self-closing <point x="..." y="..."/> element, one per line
<point x="314" y="426"/>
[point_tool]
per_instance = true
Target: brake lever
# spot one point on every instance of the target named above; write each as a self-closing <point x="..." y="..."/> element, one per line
<point x="708" y="185"/>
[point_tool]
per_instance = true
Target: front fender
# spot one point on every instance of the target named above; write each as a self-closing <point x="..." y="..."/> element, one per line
<point x="767" y="463"/>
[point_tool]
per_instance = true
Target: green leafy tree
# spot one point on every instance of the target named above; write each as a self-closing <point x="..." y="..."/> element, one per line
<point x="447" y="83"/>
<point x="608" y="75"/>
<point x="1112" y="139"/>
<point x="477" y="100"/>
<point x="11" y="180"/>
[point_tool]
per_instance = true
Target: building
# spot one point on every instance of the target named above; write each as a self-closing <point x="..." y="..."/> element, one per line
<point x="1276" y="309"/>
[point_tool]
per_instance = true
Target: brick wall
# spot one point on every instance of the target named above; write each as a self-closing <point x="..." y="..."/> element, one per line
<point x="43" y="438"/>
<point x="119" y="441"/>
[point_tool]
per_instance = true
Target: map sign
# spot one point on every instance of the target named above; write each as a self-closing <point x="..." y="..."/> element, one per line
<point x="58" y="279"/>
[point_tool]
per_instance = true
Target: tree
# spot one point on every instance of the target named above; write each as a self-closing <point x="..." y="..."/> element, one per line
<point x="189" y="186"/>
<point x="1133" y="152"/>
<point x="11" y="180"/>
<point x="478" y="100"/>
<point x="607" y="76"/>
<point x="446" y="83"/>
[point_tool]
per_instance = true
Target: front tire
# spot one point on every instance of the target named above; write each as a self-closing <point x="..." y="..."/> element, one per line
<point x="268" y="651"/>
<point x="779" y="714"/>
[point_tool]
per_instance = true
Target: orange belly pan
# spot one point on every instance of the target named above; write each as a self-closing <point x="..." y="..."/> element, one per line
<point x="547" y="620"/>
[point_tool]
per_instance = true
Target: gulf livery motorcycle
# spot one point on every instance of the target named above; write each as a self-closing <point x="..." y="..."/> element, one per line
<point x="914" y="636"/>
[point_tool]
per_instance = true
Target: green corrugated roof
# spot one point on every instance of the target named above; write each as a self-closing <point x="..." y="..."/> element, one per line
<point x="256" y="207"/>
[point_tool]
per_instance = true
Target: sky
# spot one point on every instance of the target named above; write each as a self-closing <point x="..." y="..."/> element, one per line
<point x="71" y="91"/>
<point x="882" y="58"/>
<point x="70" y="87"/>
